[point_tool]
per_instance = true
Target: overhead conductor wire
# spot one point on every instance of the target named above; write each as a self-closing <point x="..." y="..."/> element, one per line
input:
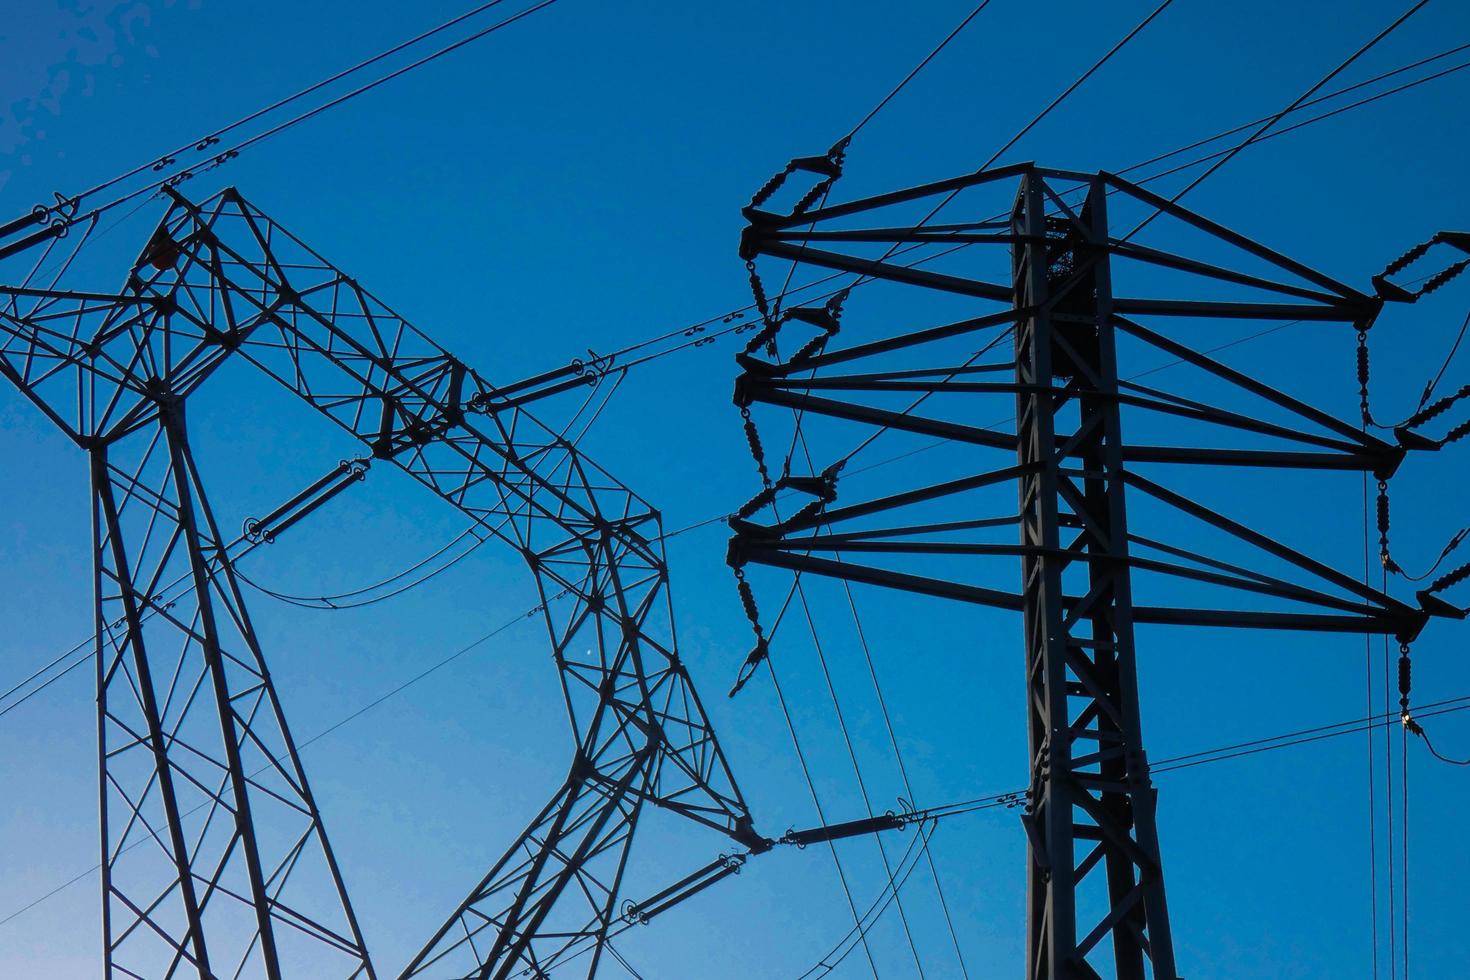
<point x="69" y="208"/>
<point x="1222" y="160"/>
<point x="796" y="585"/>
<point x="1273" y="120"/>
<point x="797" y="423"/>
<point x="485" y="6"/>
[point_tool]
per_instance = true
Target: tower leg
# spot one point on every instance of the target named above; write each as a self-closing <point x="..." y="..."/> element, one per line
<point x="215" y="861"/>
<point x="1091" y="804"/>
<point x="515" y="921"/>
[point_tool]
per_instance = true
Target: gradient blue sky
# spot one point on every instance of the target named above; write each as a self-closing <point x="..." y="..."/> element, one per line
<point x="575" y="182"/>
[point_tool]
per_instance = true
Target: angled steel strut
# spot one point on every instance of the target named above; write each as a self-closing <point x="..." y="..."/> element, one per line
<point x="220" y="279"/>
<point x="1090" y="570"/>
<point x="214" y="857"/>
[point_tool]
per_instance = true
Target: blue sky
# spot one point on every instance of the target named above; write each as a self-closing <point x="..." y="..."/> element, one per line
<point x="575" y="182"/>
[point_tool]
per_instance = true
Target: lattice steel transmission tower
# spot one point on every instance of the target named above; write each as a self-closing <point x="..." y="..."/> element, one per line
<point x="1076" y="293"/>
<point x="215" y="861"/>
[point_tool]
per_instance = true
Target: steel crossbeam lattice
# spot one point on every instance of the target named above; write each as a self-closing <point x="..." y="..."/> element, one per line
<point x="1095" y="883"/>
<point x="219" y="280"/>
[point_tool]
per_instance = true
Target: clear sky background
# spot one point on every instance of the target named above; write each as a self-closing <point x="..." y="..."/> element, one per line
<point x="575" y="182"/>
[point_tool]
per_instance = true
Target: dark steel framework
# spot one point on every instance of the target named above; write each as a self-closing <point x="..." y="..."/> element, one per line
<point x="215" y="860"/>
<point x="1095" y="881"/>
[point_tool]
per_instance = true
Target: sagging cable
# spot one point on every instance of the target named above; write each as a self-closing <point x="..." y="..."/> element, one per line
<point x="1406" y="717"/>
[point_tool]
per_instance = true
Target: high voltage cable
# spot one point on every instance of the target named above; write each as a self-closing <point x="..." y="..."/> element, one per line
<point x="1171" y="764"/>
<point x="904" y="774"/>
<point x="893" y="739"/>
<point x="1228" y="155"/>
<point x="696" y="331"/>
<point x="838" y="148"/>
<point x="1040" y="116"/>
<point x="857" y="771"/>
<point x="203" y="143"/>
<point x="152" y="610"/>
<point x="895" y="886"/>
<point x="1035" y="120"/>
<point x="879" y="905"/>
<point x="334" y="601"/>
<point x="1067" y="93"/>
<point x="1368" y="702"/>
<point x="1366" y="100"/>
<point x="1222" y="160"/>
<point x="697" y="525"/>
<point x="230" y="153"/>
<point x="817" y="802"/>
<point x="1223" y="753"/>
<point x="1273" y="120"/>
<point x="331" y="728"/>
<point x="916" y="69"/>
<point x="1313" y="102"/>
<point x="692" y="329"/>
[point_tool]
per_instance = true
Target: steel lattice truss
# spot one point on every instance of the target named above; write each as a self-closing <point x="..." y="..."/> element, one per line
<point x="1083" y="448"/>
<point x="208" y="817"/>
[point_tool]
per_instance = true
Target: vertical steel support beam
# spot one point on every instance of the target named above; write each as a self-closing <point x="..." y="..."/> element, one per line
<point x="114" y="581"/>
<point x="181" y="465"/>
<point x="1091" y="804"/>
<point x="214" y="858"/>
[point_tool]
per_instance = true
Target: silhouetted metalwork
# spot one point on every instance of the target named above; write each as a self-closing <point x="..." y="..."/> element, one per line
<point x="215" y="861"/>
<point x="1095" y="880"/>
<point x="220" y="280"/>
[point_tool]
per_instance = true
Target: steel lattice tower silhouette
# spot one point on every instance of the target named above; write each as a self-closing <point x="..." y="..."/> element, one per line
<point x="1095" y="883"/>
<point x="214" y="855"/>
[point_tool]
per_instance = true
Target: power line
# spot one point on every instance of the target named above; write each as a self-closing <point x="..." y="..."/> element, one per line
<point x="67" y="208"/>
<point x="733" y="321"/>
<point x="335" y="603"/>
<point x="895" y="884"/>
<point x="904" y="775"/>
<point x="1189" y="760"/>
<point x="696" y="333"/>
<point x="1037" y="119"/>
<point x="1067" y="93"/>
<point x="796" y="255"/>
<point x="346" y="719"/>
<point x="879" y="905"/>
<point x="203" y="143"/>
<point x="335" y="600"/>
<point x="1235" y="150"/>
<point x="857" y="770"/>
<point x="1316" y="101"/>
<point x="697" y="525"/>
<point x="1368" y="701"/>
<point x="817" y="805"/>
<point x="1237" y="750"/>
<point x="917" y="68"/>
<point x="1320" y="117"/>
<point x="168" y="598"/>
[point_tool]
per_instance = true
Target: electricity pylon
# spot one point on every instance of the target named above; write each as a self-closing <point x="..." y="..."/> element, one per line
<point x="221" y="280"/>
<point x="1076" y="291"/>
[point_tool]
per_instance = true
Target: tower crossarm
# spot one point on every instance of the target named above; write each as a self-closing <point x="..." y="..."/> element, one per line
<point x="595" y="548"/>
<point x="1010" y="343"/>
